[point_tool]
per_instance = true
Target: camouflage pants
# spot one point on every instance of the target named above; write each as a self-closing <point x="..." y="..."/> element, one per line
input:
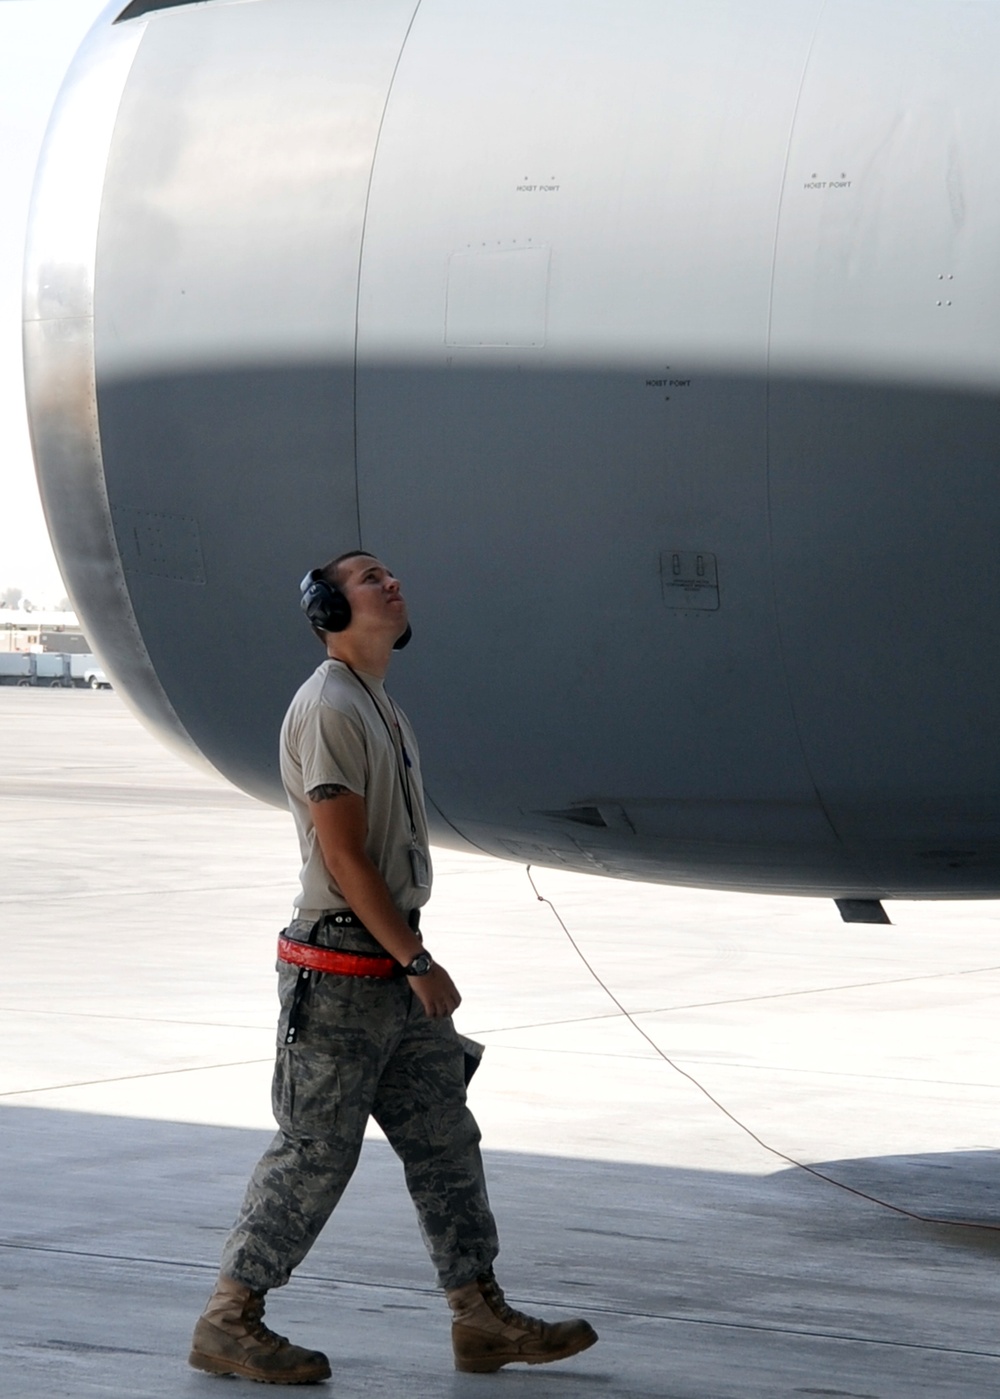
<point x="364" y="1048"/>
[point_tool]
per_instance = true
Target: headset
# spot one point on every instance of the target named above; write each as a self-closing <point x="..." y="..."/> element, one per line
<point x="327" y="607"/>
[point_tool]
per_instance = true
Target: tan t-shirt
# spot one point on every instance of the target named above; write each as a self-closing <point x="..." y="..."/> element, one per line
<point x="333" y="733"/>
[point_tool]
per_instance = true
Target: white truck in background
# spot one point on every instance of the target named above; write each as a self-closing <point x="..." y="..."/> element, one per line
<point x="86" y="670"/>
<point x="55" y="669"/>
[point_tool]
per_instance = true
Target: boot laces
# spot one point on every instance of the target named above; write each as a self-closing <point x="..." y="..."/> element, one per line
<point x="253" y="1319"/>
<point x="500" y="1307"/>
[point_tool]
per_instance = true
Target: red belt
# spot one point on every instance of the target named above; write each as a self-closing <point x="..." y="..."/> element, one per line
<point x="330" y="959"/>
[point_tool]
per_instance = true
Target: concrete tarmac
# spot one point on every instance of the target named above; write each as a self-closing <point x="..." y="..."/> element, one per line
<point x="140" y="899"/>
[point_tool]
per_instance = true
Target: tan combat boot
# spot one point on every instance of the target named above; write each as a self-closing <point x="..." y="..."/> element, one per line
<point x="486" y="1333"/>
<point x="231" y="1339"/>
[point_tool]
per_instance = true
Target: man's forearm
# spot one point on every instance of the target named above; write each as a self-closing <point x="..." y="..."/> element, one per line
<point x="368" y="896"/>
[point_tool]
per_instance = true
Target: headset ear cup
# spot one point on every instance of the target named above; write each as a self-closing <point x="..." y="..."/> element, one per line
<point x="325" y="606"/>
<point x="403" y="640"/>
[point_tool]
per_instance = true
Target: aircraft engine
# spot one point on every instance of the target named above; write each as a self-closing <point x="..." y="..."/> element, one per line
<point x="655" y="346"/>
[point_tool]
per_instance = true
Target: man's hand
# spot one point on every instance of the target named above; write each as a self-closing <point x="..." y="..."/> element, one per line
<point x="436" y="992"/>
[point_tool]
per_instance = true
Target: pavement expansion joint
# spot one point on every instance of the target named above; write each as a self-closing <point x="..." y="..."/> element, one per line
<point x="535" y="1303"/>
<point x="133" y="1019"/>
<point x="130" y="1078"/>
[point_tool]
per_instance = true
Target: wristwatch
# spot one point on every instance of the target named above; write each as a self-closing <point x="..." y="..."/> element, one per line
<point x="420" y="965"/>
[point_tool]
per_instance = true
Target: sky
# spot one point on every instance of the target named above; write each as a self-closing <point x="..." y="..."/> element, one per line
<point x="37" y="41"/>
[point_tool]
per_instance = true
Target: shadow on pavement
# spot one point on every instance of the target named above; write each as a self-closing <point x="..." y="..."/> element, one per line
<point x="110" y="1230"/>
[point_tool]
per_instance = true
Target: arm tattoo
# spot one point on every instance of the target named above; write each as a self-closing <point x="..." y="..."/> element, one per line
<point x="326" y="791"/>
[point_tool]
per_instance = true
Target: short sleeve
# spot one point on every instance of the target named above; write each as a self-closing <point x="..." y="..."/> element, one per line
<point x="331" y="748"/>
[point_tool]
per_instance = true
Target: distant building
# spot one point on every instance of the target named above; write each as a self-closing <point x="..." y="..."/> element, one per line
<point x="41" y="631"/>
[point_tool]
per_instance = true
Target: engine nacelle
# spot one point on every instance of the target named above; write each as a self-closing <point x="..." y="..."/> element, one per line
<point x="656" y="347"/>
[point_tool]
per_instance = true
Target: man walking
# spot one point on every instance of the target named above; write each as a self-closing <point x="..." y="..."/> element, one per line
<point x="365" y="1025"/>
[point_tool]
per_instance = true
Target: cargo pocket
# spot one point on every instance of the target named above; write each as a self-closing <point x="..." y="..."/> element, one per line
<point x="307" y="1096"/>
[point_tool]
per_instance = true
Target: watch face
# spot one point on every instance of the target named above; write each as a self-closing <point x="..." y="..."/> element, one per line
<point x="420" y="965"/>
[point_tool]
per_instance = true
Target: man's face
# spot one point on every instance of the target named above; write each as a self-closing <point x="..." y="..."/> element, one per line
<point x="377" y="603"/>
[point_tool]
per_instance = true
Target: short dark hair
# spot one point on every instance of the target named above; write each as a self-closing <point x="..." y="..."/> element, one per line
<point x="331" y="570"/>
